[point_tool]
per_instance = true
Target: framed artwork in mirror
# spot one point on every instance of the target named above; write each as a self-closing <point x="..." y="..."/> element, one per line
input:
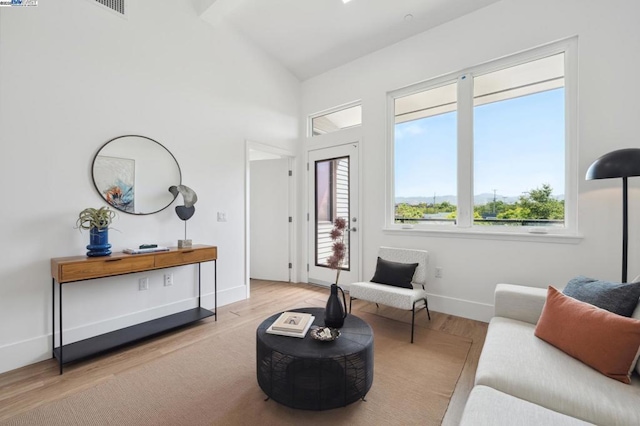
<point x="115" y="179"/>
<point x="132" y="174"/>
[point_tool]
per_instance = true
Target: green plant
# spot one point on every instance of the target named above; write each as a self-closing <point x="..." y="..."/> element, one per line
<point x="95" y="218"/>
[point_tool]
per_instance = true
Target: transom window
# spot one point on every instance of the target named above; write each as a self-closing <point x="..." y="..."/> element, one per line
<point x="489" y="148"/>
<point x="338" y="119"/>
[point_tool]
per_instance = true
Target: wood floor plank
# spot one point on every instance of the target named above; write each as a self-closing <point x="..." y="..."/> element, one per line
<point x="31" y="386"/>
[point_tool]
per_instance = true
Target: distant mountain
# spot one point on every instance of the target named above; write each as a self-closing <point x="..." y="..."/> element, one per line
<point x="478" y="199"/>
<point x="418" y="200"/>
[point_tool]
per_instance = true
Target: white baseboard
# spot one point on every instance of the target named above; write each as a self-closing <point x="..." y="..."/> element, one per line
<point x="25" y="352"/>
<point x="460" y="307"/>
<point x="19" y="354"/>
<point x="226" y="296"/>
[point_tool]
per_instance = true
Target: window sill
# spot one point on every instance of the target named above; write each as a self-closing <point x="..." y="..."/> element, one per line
<point x="487" y="235"/>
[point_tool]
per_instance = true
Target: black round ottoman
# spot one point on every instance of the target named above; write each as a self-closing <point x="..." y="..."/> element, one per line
<point x="314" y="375"/>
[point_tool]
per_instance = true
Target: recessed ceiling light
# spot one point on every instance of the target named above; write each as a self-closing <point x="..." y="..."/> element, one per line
<point x="408" y="17"/>
<point x="345" y="1"/>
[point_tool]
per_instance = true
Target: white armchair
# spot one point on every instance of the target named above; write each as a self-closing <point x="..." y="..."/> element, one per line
<point x="397" y="297"/>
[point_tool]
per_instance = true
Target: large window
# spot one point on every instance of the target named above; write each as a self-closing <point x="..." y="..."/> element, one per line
<point x="426" y="155"/>
<point x="489" y="148"/>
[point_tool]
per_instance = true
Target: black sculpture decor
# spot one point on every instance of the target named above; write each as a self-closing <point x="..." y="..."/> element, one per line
<point x="622" y="163"/>
<point x="186" y="211"/>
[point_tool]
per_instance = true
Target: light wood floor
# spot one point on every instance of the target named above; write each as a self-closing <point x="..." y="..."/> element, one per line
<point x="40" y="383"/>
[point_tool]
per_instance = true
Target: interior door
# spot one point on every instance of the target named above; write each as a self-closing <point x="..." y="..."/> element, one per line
<point x="333" y="193"/>
<point x="269" y="219"/>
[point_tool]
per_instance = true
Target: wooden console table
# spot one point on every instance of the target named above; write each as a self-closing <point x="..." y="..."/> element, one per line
<point x="80" y="268"/>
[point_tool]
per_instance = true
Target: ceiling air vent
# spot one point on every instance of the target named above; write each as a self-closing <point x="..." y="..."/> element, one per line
<point x="115" y="5"/>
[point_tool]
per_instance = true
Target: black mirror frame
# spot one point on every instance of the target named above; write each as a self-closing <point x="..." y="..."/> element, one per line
<point x="138" y="136"/>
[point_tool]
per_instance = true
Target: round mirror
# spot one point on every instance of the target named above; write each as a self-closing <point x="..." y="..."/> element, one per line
<point x="133" y="174"/>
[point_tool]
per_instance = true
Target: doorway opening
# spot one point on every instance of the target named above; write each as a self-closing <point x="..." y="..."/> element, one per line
<point x="269" y="207"/>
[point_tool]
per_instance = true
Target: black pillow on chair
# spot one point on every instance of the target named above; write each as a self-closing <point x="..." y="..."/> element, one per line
<point x="394" y="273"/>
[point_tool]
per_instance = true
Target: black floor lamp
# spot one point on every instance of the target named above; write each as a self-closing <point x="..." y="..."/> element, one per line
<point x="622" y="163"/>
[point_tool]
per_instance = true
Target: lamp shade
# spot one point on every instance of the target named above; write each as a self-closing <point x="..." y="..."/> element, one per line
<point x="616" y="164"/>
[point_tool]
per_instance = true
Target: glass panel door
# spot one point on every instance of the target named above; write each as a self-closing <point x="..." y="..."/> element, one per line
<point x="333" y="195"/>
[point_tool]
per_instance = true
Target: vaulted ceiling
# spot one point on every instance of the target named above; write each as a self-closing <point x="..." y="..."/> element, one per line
<point x="309" y="37"/>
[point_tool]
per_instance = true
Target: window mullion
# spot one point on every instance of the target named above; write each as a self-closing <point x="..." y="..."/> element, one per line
<point x="465" y="151"/>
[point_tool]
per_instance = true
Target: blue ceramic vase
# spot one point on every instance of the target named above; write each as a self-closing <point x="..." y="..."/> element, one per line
<point x="98" y="242"/>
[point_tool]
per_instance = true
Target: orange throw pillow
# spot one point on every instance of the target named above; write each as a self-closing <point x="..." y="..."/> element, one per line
<point x="605" y="341"/>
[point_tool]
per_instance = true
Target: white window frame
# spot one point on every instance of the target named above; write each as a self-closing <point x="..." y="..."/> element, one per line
<point x="465" y="146"/>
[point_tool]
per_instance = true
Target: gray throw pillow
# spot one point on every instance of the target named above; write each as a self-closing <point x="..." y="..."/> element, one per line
<point x="619" y="298"/>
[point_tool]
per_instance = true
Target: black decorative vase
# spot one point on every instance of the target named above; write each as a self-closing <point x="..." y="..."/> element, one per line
<point x="336" y="311"/>
<point x="98" y="242"/>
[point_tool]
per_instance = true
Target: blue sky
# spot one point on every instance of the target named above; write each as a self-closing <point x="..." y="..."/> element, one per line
<point x="518" y="146"/>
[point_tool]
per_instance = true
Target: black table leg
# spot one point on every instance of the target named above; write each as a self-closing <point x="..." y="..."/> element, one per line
<point x="215" y="289"/>
<point x="60" y="313"/>
<point x="199" y="287"/>
<point x="53" y="317"/>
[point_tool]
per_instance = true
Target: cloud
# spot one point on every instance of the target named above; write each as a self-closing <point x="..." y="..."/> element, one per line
<point x="407" y="130"/>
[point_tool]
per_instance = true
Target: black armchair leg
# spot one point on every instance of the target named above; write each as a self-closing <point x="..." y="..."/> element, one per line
<point x="426" y="306"/>
<point x="413" y="319"/>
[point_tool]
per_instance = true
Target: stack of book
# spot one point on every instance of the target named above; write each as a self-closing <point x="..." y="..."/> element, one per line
<point x="145" y="250"/>
<point x="292" y="324"/>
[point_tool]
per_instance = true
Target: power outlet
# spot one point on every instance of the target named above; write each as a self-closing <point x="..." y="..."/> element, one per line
<point x="168" y="280"/>
<point x="222" y="217"/>
<point x="438" y="272"/>
<point x="143" y="284"/>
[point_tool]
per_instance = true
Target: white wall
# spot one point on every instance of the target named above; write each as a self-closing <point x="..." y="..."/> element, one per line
<point x="609" y="41"/>
<point x="73" y="76"/>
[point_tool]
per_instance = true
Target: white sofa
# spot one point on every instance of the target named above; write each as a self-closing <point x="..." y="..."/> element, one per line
<point x="522" y="380"/>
